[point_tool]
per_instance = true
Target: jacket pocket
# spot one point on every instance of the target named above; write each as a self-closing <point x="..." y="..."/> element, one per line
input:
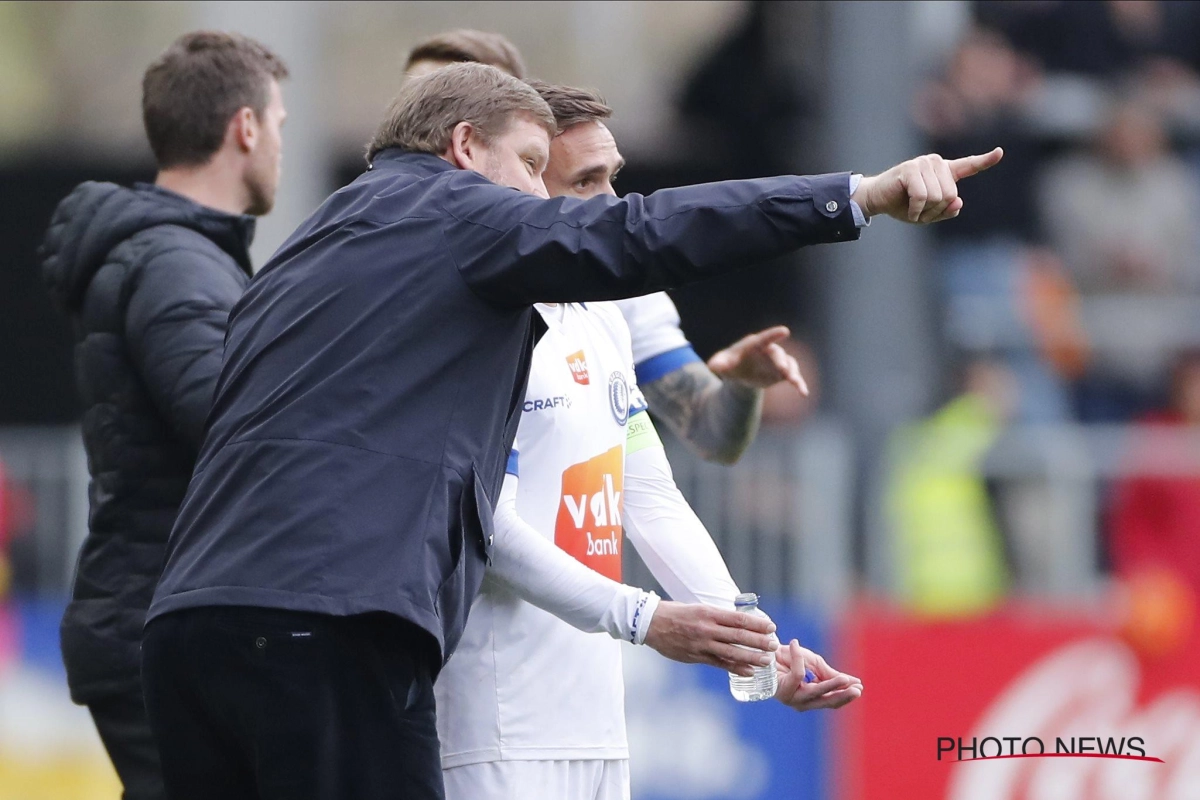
<point x="472" y="554"/>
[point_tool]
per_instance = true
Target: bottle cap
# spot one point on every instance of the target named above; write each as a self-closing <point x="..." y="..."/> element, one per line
<point x="746" y="599"/>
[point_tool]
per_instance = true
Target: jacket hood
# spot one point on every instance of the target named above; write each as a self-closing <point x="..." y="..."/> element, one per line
<point x="96" y="217"/>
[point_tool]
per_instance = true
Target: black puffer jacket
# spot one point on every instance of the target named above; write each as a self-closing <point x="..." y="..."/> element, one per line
<point x="148" y="278"/>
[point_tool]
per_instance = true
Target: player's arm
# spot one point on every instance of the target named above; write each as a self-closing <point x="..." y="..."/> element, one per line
<point x="668" y="535"/>
<point x="716" y="407"/>
<point x="542" y="574"/>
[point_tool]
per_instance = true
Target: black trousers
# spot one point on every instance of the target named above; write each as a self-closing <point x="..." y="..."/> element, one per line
<point x="264" y="704"/>
<point x="125" y="730"/>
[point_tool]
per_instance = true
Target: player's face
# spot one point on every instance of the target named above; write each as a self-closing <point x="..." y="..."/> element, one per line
<point x="584" y="161"/>
<point x="518" y="157"/>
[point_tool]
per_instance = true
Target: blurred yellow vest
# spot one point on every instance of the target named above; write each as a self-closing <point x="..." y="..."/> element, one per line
<point x="948" y="552"/>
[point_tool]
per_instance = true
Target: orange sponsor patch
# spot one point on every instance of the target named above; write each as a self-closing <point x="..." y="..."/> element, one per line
<point x="588" y="526"/>
<point x="577" y="362"/>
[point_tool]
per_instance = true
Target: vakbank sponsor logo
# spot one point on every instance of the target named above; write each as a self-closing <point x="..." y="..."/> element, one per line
<point x="577" y="363"/>
<point x="588" y="526"/>
<point x="955" y="748"/>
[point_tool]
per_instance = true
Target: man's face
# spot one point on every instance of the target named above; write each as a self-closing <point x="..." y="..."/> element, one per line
<point x="517" y="158"/>
<point x="584" y="162"/>
<point x="266" y="160"/>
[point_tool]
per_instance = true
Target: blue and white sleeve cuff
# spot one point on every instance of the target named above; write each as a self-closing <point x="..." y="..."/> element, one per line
<point x="664" y="364"/>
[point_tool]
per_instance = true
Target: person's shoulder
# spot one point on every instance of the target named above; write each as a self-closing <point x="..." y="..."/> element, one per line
<point x="609" y="312"/>
<point x="651" y="310"/>
<point x="654" y="329"/>
<point x="169" y="245"/>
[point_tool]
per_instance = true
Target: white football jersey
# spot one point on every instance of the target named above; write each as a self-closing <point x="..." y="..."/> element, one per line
<point x="523" y="685"/>
<point x="659" y="346"/>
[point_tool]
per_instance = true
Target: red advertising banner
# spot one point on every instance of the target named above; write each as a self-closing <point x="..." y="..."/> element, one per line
<point x="1071" y="709"/>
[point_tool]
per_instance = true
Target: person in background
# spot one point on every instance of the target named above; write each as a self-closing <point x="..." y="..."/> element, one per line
<point x="715" y="407"/>
<point x="1141" y="247"/>
<point x="1147" y="242"/>
<point x="464" y="46"/>
<point x="11" y="518"/>
<point x="147" y="276"/>
<point x="949" y="551"/>
<point x="1155" y="514"/>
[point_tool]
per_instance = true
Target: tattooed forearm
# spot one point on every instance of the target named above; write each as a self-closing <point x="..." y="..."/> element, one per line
<point x="718" y="419"/>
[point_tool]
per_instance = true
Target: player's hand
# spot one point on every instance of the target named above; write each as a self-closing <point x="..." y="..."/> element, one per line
<point x="922" y="189"/>
<point x="831" y="689"/>
<point x="757" y="360"/>
<point x="700" y="634"/>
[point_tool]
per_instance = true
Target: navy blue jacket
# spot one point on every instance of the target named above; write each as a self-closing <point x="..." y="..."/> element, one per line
<point x="375" y="367"/>
<point x="147" y="278"/>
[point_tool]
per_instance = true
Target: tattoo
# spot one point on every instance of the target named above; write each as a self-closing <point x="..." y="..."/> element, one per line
<point x="718" y="419"/>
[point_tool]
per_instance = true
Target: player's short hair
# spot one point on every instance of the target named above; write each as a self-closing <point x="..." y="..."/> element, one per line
<point x="424" y="113"/>
<point x="194" y="88"/>
<point x="470" y="46"/>
<point x="572" y="105"/>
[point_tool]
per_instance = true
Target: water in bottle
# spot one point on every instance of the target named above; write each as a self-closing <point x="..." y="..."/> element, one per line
<point x="762" y="684"/>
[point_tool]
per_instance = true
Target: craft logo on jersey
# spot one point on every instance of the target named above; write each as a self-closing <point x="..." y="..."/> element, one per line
<point x="618" y="397"/>
<point x="577" y="362"/>
<point x="588" y="526"/>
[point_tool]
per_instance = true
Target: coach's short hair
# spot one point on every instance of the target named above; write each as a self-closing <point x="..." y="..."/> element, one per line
<point x="470" y="46"/>
<point x="194" y="88"/>
<point x="572" y="105"/>
<point x="424" y="113"/>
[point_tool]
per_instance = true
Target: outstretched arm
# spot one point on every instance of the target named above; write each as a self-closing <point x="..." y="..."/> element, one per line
<point x="515" y="249"/>
<point x="716" y="407"/>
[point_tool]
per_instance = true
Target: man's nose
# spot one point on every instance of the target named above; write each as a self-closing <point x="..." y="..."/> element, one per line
<point x="539" y="188"/>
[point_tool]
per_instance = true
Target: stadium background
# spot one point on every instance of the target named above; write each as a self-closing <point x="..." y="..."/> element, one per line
<point x="989" y="510"/>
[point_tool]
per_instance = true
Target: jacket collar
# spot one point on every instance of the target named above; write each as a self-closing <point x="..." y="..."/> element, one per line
<point x="422" y="164"/>
<point x="233" y="233"/>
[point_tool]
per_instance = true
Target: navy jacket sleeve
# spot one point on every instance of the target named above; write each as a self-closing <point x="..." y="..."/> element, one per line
<point x="175" y="330"/>
<point x="512" y="247"/>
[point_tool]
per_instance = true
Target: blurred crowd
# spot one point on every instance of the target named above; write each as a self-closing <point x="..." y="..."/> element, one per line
<point x="1070" y="288"/>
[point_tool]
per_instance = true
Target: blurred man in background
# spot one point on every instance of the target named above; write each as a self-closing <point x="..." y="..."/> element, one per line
<point x="714" y="407"/>
<point x="1155" y="517"/>
<point x="950" y="552"/>
<point x="464" y="46"/>
<point x="148" y="275"/>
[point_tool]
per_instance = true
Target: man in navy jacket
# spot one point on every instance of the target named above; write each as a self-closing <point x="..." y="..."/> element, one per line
<point x="338" y="523"/>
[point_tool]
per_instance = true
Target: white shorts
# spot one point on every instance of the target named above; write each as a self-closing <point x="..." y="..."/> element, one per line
<point x="539" y="780"/>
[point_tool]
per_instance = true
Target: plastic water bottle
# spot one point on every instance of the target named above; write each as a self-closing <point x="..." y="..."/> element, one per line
<point x="762" y="684"/>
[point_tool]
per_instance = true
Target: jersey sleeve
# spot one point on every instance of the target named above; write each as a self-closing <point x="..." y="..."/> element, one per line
<point x="540" y="573"/>
<point x="661" y="525"/>
<point x="659" y="346"/>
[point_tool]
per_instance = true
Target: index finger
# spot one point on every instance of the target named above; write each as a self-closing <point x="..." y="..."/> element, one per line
<point x="788" y="367"/>
<point x="768" y="336"/>
<point x="973" y="165"/>
<point x="736" y="619"/>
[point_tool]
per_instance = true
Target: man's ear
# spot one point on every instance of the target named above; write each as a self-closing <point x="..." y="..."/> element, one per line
<point x="243" y="128"/>
<point x="463" y="151"/>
